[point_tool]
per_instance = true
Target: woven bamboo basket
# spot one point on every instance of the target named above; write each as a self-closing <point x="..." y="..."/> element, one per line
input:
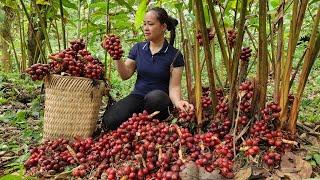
<point x="71" y="106"/>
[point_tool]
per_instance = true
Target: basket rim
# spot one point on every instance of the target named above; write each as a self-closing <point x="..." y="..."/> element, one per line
<point x="73" y="77"/>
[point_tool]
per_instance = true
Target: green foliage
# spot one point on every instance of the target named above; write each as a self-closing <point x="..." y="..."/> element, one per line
<point x="314" y="158"/>
<point x="140" y="14"/>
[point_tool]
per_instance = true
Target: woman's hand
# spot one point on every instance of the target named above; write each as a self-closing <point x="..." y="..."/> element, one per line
<point x="184" y="106"/>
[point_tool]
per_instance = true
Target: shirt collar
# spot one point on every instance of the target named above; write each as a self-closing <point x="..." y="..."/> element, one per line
<point x="164" y="48"/>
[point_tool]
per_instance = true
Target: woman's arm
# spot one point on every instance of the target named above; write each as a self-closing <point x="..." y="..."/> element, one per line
<point x="175" y="90"/>
<point x="125" y="68"/>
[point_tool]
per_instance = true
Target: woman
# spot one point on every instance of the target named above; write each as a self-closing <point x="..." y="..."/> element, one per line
<point x="159" y="66"/>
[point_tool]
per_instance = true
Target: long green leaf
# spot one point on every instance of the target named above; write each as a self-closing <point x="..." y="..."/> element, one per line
<point x="122" y="2"/>
<point x="67" y="3"/>
<point x="140" y="14"/>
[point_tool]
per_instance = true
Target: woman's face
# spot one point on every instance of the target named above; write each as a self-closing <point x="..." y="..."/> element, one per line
<point x="152" y="28"/>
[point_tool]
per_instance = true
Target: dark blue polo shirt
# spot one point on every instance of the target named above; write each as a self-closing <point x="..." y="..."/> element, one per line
<point x="154" y="70"/>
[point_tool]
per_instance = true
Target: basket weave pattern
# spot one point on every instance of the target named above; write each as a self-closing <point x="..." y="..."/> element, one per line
<point x="71" y="107"/>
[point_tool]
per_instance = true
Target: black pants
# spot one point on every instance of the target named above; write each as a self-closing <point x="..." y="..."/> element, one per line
<point x="156" y="100"/>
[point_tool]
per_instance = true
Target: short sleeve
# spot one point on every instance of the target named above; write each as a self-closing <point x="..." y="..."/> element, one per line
<point x="179" y="61"/>
<point x="133" y="52"/>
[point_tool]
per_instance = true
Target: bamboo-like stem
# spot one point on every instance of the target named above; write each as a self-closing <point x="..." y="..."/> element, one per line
<point x="79" y="16"/>
<point x="108" y="24"/>
<point x="15" y="54"/>
<point x="262" y="70"/>
<point x="43" y="26"/>
<point x="215" y="65"/>
<point x="186" y="57"/>
<point x="312" y="51"/>
<point x="207" y="53"/>
<point x="236" y="57"/>
<point x="63" y="26"/>
<point x="295" y="28"/>
<point x="279" y="53"/>
<point x="22" y="44"/>
<point x="32" y="30"/>
<point x="252" y="39"/>
<point x="235" y="15"/>
<point x="272" y="59"/>
<point x="297" y="68"/>
<point x="198" y="84"/>
<point x="220" y="39"/>
<point x="57" y="34"/>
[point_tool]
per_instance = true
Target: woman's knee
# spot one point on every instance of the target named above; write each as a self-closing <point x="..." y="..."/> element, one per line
<point x="158" y="100"/>
<point x="157" y="97"/>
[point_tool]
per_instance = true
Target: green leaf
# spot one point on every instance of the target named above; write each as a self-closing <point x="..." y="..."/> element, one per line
<point x="316" y="157"/>
<point x="21" y="115"/>
<point x="122" y="2"/>
<point x="174" y="121"/>
<point x="102" y="5"/>
<point x="313" y="1"/>
<point x="190" y="6"/>
<point x="2" y="16"/>
<point x="178" y="5"/>
<point x="313" y="163"/>
<point x="11" y="177"/>
<point x="308" y="157"/>
<point x="43" y="2"/>
<point x="274" y="3"/>
<point x="3" y="100"/>
<point x="69" y="4"/>
<point x="140" y="14"/>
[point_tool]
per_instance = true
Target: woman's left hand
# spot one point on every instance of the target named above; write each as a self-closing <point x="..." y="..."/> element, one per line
<point x="184" y="106"/>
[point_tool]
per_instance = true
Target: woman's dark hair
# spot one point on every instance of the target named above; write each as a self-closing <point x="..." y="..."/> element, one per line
<point x="171" y="22"/>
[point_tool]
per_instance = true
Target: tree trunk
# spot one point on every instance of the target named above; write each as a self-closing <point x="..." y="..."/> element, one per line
<point x="5" y="30"/>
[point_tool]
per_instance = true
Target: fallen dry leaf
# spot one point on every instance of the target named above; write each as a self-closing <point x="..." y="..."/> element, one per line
<point x="273" y="177"/>
<point x="244" y="174"/>
<point x="305" y="168"/>
<point x="287" y="161"/>
<point x="260" y="172"/>
<point x="292" y="176"/>
<point x="190" y="172"/>
<point x="204" y="175"/>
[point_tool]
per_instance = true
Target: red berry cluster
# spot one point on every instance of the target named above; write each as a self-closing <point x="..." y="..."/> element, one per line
<point x="93" y="71"/>
<point x="219" y="93"/>
<point x="259" y="128"/>
<point x="141" y="148"/>
<point x="232" y="35"/>
<point x="290" y="98"/>
<point x="221" y="124"/>
<point x="77" y="45"/>
<point x="206" y="101"/>
<point x="80" y="171"/>
<point x="271" y="112"/>
<point x="52" y="156"/>
<point x="199" y="36"/>
<point x="245" y="54"/>
<point x="243" y="120"/>
<point x="247" y="87"/>
<point x="252" y="146"/>
<point x="38" y="71"/>
<point x="112" y="44"/>
<point x="225" y="166"/>
<point x="271" y="158"/>
<point x="186" y="117"/>
<point x="274" y="138"/>
<point x="245" y="105"/>
<point x="73" y="61"/>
